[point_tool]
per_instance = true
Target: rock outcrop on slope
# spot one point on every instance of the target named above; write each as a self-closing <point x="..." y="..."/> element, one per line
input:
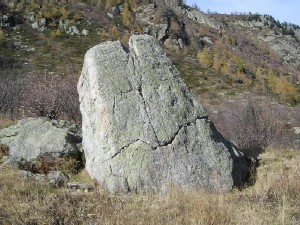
<point x="168" y="2"/>
<point x="39" y="138"/>
<point x="142" y="128"/>
<point x="162" y="29"/>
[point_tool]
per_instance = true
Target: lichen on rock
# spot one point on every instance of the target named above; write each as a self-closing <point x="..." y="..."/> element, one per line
<point x="143" y="130"/>
<point x="40" y="138"/>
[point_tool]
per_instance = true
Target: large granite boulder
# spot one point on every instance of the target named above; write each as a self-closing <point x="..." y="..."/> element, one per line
<point x="40" y="138"/>
<point x="143" y="130"/>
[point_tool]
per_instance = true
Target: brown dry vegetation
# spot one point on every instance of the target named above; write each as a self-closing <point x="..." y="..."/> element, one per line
<point x="25" y="94"/>
<point x="256" y="122"/>
<point x="274" y="199"/>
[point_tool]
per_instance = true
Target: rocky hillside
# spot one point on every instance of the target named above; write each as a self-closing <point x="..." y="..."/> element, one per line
<point x="221" y="57"/>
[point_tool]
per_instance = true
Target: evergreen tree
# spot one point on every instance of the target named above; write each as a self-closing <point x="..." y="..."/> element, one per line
<point x="126" y="15"/>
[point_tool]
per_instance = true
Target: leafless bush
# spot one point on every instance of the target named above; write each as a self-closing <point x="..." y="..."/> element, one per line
<point x="69" y="100"/>
<point x="10" y="93"/>
<point x="252" y="126"/>
<point x="27" y="94"/>
<point x="52" y="96"/>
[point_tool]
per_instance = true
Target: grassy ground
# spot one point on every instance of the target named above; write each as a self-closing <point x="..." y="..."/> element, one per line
<point x="274" y="199"/>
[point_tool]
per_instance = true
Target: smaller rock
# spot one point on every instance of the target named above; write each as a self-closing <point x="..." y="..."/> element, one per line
<point x="80" y="186"/>
<point x="37" y="177"/>
<point x="180" y="43"/>
<point x="40" y="177"/>
<point x="43" y="22"/>
<point x="85" y="32"/>
<point x="63" y="24"/>
<point x="15" y="162"/>
<point x="207" y="39"/>
<point x="55" y="123"/>
<point x="73" y="185"/>
<point x="35" y="25"/>
<point x="73" y="30"/>
<point x="57" y="178"/>
<point x="87" y="187"/>
<point x="162" y="31"/>
<point x="173" y="44"/>
<point x="26" y="173"/>
<point x="32" y="17"/>
<point x="5" y="18"/>
<point x="39" y="138"/>
<point x="296" y="130"/>
<point x="110" y="15"/>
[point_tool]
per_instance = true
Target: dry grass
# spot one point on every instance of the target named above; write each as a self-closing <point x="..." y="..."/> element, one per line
<point x="6" y="122"/>
<point x="274" y="199"/>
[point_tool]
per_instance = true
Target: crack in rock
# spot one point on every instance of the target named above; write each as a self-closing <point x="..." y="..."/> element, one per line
<point x="124" y="149"/>
<point x="167" y="143"/>
<point x="140" y="91"/>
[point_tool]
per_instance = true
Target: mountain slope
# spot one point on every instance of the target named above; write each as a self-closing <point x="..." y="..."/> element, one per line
<point x="221" y="57"/>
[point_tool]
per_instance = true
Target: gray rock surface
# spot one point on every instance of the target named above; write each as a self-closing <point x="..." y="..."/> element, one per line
<point x="56" y="178"/>
<point x="162" y="29"/>
<point x="73" y="30"/>
<point x="146" y="14"/>
<point x="63" y="24"/>
<point x="35" y="25"/>
<point x="15" y="162"/>
<point x="41" y="25"/>
<point x="285" y="46"/>
<point x="85" y="32"/>
<point x="80" y="186"/>
<point x="34" y="138"/>
<point x="197" y="15"/>
<point x="142" y="128"/>
<point x="35" y="176"/>
<point x="168" y="2"/>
